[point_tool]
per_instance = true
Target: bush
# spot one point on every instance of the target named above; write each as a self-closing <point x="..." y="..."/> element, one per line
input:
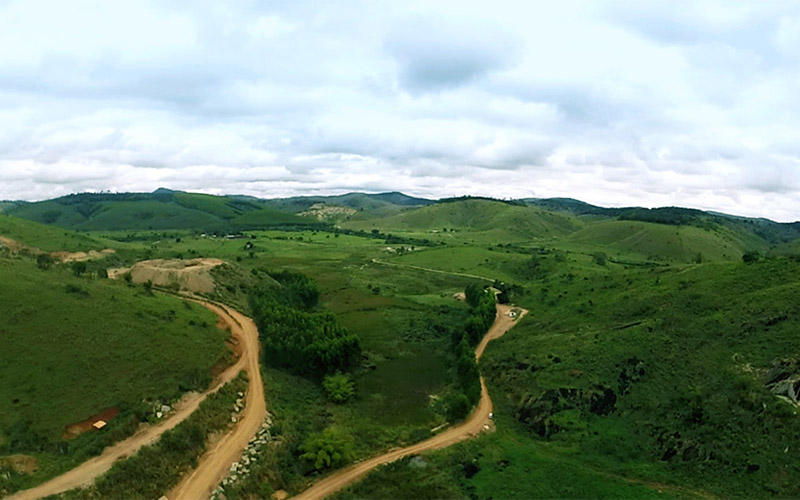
<point x="338" y="388"/>
<point x="44" y="261"/>
<point x="457" y="408"/>
<point x="750" y="257"/>
<point x="78" y="267"/>
<point x="600" y="258"/>
<point x="327" y="450"/>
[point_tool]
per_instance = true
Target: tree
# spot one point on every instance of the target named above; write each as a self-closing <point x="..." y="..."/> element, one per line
<point x="44" y="261"/>
<point x="78" y="267"/>
<point x="473" y="293"/>
<point x="328" y="450"/>
<point x="750" y="257"/>
<point x="338" y="387"/>
<point x="457" y="408"/>
<point x="600" y="258"/>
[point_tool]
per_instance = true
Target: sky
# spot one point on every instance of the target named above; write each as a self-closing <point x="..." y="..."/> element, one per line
<point x="617" y="103"/>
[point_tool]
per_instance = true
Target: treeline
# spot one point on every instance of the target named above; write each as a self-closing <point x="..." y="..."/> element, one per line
<point x="389" y="239"/>
<point x="468" y="377"/>
<point x="295" y="336"/>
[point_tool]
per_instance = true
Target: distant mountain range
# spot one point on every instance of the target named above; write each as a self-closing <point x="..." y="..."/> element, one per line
<point x="504" y="220"/>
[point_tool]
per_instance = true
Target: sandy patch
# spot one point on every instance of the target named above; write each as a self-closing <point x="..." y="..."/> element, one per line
<point x="322" y="211"/>
<point x="15" y="246"/>
<point x="22" y="464"/>
<point x="187" y="275"/>
<point x="82" y="256"/>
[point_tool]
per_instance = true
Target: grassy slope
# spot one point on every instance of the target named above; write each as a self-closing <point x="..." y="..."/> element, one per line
<point x="158" y="212"/>
<point x="487" y="220"/>
<point x="662" y="242"/>
<point x="51" y="238"/>
<point x="66" y="356"/>
<point x="684" y="425"/>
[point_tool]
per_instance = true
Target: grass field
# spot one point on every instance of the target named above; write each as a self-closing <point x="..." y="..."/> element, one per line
<point x="641" y="370"/>
<point x="72" y="347"/>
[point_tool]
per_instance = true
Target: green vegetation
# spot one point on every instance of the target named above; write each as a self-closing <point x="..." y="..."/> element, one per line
<point x="72" y="347"/>
<point x="162" y="209"/>
<point x="338" y="387"/>
<point x="154" y="469"/>
<point x="329" y="449"/>
<point x="657" y="340"/>
<point x="50" y="238"/>
<point x="308" y="343"/>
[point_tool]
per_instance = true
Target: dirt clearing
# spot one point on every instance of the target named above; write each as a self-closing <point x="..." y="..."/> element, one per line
<point x="186" y="275"/>
<point x="79" y="428"/>
<point x="15" y="246"/>
<point x="22" y="464"/>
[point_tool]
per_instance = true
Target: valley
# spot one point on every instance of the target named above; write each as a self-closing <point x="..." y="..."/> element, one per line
<point x="654" y="342"/>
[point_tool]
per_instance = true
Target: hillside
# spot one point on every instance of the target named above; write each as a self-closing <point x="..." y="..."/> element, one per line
<point x="162" y="209"/>
<point x="74" y="347"/>
<point x="386" y="202"/>
<point x="663" y="242"/>
<point x="485" y="219"/>
<point x="771" y="232"/>
<point x="49" y="238"/>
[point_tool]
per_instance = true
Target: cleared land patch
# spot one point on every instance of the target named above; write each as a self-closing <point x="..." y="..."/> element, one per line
<point x="185" y="275"/>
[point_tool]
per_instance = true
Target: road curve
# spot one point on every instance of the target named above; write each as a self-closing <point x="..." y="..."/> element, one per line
<point x="85" y="474"/>
<point x="469" y="428"/>
<point x="215" y="463"/>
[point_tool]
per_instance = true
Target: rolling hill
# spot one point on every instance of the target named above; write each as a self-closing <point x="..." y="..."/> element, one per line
<point x="488" y="219"/>
<point x="162" y="209"/>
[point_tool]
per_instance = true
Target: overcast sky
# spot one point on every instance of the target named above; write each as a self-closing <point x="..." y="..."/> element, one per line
<point x="613" y="102"/>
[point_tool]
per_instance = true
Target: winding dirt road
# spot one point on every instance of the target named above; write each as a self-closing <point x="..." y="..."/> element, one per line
<point x="215" y="463"/>
<point x="469" y="428"/>
<point x="244" y="331"/>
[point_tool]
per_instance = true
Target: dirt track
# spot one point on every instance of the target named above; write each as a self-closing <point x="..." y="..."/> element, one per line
<point x="469" y="428"/>
<point x="244" y="331"/>
<point x="215" y="463"/>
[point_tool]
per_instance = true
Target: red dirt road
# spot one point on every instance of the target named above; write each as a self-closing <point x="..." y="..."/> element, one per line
<point x="469" y="428"/>
<point x="244" y="331"/>
<point x="215" y="463"/>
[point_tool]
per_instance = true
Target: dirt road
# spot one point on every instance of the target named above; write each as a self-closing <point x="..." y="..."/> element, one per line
<point x="215" y="463"/>
<point x="471" y="427"/>
<point x="244" y="331"/>
<point x="437" y="271"/>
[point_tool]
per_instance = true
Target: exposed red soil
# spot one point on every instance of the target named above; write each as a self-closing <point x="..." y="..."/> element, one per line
<point x="75" y="430"/>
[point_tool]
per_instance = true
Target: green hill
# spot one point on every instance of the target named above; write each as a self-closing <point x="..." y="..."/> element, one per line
<point x="663" y="242"/>
<point x="72" y="347"/>
<point x="162" y="209"/>
<point x="49" y="238"/>
<point x="374" y="204"/>
<point x="486" y="218"/>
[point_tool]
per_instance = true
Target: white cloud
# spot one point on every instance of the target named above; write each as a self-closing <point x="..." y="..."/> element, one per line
<point x="612" y="102"/>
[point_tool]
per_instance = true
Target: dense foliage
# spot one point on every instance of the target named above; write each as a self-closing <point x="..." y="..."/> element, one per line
<point x="297" y="338"/>
<point x="327" y="450"/>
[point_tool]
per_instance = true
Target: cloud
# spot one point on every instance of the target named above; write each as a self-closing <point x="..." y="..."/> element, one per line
<point x="611" y="102"/>
<point x="436" y="54"/>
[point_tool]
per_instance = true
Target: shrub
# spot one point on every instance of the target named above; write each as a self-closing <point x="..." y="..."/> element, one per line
<point x="44" y="261"/>
<point x="338" y="388"/>
<point x="78" y="267"/>
<point x="600" y="258"/>
<point x="328" y="449"/>
<point x="457" y="408"/>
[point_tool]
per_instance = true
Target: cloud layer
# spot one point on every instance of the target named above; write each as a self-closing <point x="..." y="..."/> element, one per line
<point x="616" y="103"/>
